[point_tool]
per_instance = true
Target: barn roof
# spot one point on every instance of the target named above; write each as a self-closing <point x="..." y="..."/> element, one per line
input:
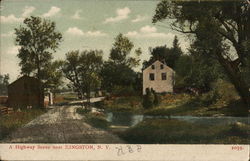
<point x="23" y="77"/>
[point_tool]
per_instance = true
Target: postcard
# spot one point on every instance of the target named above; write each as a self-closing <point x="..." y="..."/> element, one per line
<point x="163" y="80"/>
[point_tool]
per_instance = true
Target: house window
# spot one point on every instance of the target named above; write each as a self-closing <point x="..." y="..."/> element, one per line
<point x="153" y="66"/>
<point x="164" y="76"/>
<point x="151" y="76"/>
<point x="162" y="66"/>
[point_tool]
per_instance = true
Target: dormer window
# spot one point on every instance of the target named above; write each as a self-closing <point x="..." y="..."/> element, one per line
<point x="153" y="66"/>
<point x="162" y="66"/>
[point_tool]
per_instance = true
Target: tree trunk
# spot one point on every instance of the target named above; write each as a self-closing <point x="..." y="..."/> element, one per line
<point x="40" y="92"/>
<point x="236" y="78"/>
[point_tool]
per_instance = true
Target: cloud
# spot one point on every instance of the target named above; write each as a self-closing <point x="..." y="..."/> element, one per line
<point x="10" y="19"/>
<point x="132" y="34"/>
<point x="149" y="32"/>
<point x="148" y="29"/>
<point x="27" y="11"/>
<point x="75" y="31"/>
<point x="139" y="18"/>
<point x="53" y="11"/>
<point x="95" y="33"/>
<point x="8" y="34"/>
<point x="121" y="14"/>
<point x="77" y="15"/>
<point x="78" y="32"/>
<point x="13" y="50"/>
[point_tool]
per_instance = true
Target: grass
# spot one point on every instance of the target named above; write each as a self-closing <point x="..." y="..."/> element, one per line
<point x="64" y="98"/>
<point x="9" y="123"/>
<point x="124" y="104"/>
<point x="153" y="131"/>
<point x="222" y="100"/>
<point x="97" y="120"/>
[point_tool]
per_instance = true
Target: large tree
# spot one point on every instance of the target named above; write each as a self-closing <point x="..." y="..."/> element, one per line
<point x="83" y="71"/>
<point x="165" y="54"/>
<point x="38" y="39"/>
<point x="221" y="29"/>
<point x="118" y="70"/>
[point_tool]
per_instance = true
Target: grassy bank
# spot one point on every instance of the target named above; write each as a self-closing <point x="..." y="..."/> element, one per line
<point x="180" y="132"/>
<point x="221" y="100"/>
<point x="9" y="123"/>
<point x="124" y="104"/>
<point x="179" y="104"/>
<point x="95" y="119"/>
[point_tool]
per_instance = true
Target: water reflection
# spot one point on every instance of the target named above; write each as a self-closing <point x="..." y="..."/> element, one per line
<point x="129" y="119"/>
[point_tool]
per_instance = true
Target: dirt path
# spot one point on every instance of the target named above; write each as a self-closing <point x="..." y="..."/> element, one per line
<point x="61" y="125"/>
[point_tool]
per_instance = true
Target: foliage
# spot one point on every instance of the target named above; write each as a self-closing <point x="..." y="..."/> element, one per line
<point x="124" y="104"/>
<point x="121" y="50"/>
<point x="123" y="91"/>
<point x="197" y="71"/>
<point x="220" y="30"/>
<point x="83" y="70"/>
<point x="164" y="54"/>
<point x="148" y="99"/>
<point x="54" y="75"/>
<point x="4" y="82"/>
<point x="117" y="71"/>
<point x="38" y="40"/>
<point x="116" y="75"/>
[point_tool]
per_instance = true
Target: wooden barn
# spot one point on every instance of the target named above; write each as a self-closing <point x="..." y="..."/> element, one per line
<point x="25" y="93"/>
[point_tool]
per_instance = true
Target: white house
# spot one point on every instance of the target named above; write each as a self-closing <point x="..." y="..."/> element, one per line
<point x="158" y="76"/>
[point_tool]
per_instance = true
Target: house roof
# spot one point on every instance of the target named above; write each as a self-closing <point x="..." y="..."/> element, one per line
<point x="160" y="63"/>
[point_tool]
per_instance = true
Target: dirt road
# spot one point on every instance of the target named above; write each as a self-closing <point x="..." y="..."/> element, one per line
<point x="61" y="125"/>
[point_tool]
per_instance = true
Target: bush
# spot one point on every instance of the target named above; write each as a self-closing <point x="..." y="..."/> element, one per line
<point x="210" y="98"/>
<point x="156" y="98"/>
<point x="151" y="99"/>
<point x="148" y="99"/>
<point x="123" y="91"/>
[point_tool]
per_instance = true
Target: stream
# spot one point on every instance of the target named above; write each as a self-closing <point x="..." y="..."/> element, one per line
<point x="130" y="120"/>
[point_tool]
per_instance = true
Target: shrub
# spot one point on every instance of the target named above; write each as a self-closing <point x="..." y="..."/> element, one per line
<point x="210" y="98"/>
<point x="157" y="100"/>
<point x="123" y="91"/>
<point x="148" y="99"/>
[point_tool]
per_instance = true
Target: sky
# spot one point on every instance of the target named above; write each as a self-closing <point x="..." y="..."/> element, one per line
<point x="85" y="25"/>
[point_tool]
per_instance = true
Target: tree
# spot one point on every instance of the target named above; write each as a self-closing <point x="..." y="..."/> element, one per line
<point x="220" y="28"/>
<point x="38" y="40"/>
<point x="198" y="71"/>
<point x="54" y="75"/>
<point x="4" y="82"/>
<point x="117" y="71"/>
<point x="83" y="70"/>
<point x="165" y="54"/>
